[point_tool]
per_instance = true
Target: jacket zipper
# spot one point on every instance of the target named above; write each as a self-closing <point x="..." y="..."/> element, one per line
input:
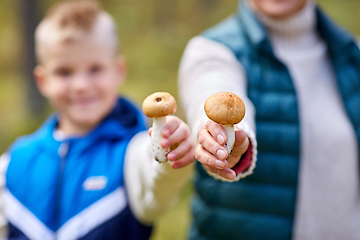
<point x="63" y="150"/>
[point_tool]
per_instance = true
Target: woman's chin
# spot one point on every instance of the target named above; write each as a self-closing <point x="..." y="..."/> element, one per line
<point x="279" y="9"/>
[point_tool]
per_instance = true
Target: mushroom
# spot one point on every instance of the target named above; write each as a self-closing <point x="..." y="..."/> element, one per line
<point x="227" y="109"/>
<point x="157" y="106"/>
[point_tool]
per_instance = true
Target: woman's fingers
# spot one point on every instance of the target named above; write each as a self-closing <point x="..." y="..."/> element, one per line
<point x="211" y="153"/>
<point x="217" y="131"/>
<point x="212" y="164"/>
<point x="240" y="147"/>
<point x="207" y="141"/>
<point x="225" y="173"/>
<point x="208" y="159"/>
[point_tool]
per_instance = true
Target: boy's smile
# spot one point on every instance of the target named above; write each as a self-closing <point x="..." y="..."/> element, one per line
<point x="80" y="79"/>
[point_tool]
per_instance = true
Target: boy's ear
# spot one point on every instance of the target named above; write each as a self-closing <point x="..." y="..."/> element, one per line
<point x="39" y="74"/>
<point x="121" y="68"/>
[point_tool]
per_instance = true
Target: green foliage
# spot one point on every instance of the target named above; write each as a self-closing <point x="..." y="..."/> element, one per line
<point x="153" y="36"/>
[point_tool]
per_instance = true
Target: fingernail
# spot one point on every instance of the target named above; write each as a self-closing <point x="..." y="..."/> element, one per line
<point x="171" y="156"/>
<point x="230" y="175"/>
<point x="220" y="139"/>
<point x="221" y="154"/>
<point x="167" y="133"/>
<point x="220" y="164"/>
<point x="165" y="143"/>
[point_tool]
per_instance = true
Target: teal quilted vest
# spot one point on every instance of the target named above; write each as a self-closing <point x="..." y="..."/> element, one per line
<point x="262" y="206"/>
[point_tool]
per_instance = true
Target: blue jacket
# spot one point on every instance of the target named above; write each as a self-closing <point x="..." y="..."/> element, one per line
<point x="73" y="189"/>
<point x="262" y="206"/>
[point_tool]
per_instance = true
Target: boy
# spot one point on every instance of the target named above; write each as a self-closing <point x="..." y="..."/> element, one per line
<point x="88" y="173"/>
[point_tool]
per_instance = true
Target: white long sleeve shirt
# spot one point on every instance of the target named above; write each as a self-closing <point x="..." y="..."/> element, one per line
<point x="206" y="68"/>
<point x="328" y="190"/>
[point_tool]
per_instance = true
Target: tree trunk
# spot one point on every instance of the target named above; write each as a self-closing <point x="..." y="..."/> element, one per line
<point x="29" y="9"/>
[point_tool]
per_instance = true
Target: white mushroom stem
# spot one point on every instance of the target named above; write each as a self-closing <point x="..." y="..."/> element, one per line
<point x="159" y="152"/>
<point x="229" y="129"/>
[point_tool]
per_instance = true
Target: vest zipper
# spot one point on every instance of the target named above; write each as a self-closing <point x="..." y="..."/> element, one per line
<point x="63" y="150"/>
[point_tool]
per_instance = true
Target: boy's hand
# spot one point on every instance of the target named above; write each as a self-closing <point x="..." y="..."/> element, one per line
<point x="176" y="135"/>
<point x="211" y="153"/>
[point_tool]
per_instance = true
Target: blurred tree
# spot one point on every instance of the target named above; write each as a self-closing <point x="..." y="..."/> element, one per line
<point x="29" y="14"/>
<point x="209" y="4"/>
<point x="165" y="11"/>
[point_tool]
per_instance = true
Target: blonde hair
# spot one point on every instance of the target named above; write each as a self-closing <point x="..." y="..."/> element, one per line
<point x="73" y="20"/>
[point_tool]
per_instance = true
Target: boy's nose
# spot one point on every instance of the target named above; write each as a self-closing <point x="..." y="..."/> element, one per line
<point x="80" y="82"/>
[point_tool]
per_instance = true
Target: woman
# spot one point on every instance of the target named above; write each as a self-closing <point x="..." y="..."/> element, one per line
<point x="299" y="76"/>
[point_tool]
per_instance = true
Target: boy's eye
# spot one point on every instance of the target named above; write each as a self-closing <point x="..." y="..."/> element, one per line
<point x="63" y="72"/>
<point x="95" y="69"/>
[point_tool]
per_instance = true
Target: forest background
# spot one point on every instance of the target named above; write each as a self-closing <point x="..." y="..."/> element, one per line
<point x="153" y="35"/>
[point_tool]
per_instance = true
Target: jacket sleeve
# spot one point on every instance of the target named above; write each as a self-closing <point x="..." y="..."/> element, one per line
<point x="4" y="161"/>
<point x="152" y="187"/>
<point x="208" y="67"/>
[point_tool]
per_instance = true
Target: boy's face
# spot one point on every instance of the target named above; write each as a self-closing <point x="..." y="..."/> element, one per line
<point x="80" y="79"/>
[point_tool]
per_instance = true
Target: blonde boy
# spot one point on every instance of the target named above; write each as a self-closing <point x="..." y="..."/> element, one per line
<point x="87" y="172"/>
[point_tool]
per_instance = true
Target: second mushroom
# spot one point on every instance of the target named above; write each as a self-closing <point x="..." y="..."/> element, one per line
<point x="227" y="109"/>
<point x="157" y="106"/>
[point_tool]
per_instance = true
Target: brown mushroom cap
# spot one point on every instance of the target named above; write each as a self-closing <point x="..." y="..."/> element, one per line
<point x="225" y="108"/>
<point x="159" y="104"/>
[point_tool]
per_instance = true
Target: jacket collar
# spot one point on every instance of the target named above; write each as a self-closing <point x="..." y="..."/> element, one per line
<point x="123" y="122"/>
<point x="337" y="38"/>
<point x="253" y="28"/>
